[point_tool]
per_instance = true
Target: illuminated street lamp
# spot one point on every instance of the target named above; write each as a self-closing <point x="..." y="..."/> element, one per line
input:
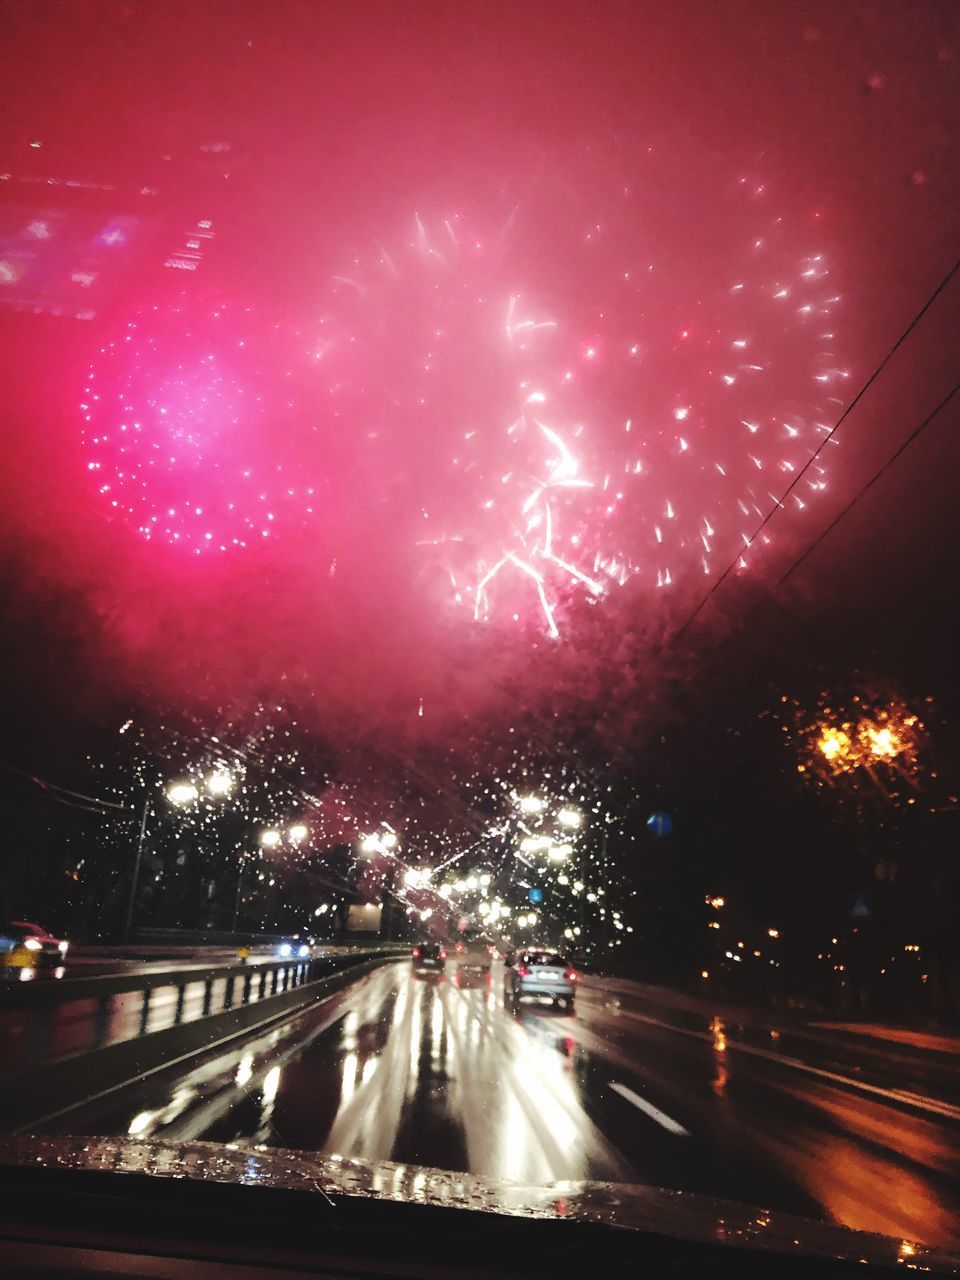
<point x="571" y="818"/>
<point x="559" y="852"/>
<point x="530" y="804"/>
<point x="220" y="782"/>
<point x="270" y="839"/>
<point x="299" y="831"/>
<point x="535" y="844"/>
<point x="181" y="793"/>
<point x="379" y="842"/>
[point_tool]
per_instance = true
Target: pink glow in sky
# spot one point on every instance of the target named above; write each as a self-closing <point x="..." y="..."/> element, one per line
<point x="512" y="333"/>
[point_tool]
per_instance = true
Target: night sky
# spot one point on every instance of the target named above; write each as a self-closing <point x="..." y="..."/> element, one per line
<point x="514" y="324"/>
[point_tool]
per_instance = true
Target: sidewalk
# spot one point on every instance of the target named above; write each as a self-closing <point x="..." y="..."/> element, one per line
<point x="929" y="1040"/>
<point x="789" y="1020"/>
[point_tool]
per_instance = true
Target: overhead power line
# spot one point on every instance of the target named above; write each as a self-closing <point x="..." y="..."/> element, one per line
<point x="715" y="586"/>
<point x="64" y="795"/>
<point x="861" y="492"/>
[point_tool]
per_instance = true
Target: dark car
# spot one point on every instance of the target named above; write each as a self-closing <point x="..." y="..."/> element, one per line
<point x="429" y="955"/>
<point x="25" y="944"/>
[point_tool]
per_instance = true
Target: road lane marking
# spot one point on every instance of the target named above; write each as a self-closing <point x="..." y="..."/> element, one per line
<point x="650" y="1110"/>
<point x="903" y="1096"/>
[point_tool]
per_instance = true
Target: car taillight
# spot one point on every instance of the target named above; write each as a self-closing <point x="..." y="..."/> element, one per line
<point x="416" y="953"/>
<point x="443" y="955"/>
<point x="523" y="971"/>
<point x="571" y="975"/>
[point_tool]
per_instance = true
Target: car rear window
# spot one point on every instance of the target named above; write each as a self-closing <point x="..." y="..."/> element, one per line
<point x="548" y="959"/>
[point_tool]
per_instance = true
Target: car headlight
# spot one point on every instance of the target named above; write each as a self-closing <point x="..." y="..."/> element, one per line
<point x="285" y="949"/>
<point x="63" y="948"/>
<point x="33" y="944"/>
<point x="304" y="950"/>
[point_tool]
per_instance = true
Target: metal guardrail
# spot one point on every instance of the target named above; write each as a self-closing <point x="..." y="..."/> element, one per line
<point x="46" y="1021"/>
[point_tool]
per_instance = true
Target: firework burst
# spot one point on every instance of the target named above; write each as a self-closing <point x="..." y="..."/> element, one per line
<point x="628" y="414"/>
<point x="199" y="426"/>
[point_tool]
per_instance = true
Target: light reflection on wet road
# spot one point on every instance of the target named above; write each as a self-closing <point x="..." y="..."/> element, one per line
<point x="421" y="1070"/>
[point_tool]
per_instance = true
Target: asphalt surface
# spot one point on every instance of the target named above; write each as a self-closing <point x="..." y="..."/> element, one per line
<point x="634" y="1086"/>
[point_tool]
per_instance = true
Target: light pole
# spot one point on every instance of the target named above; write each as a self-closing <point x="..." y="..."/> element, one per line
<point x="180" y="794"/>
<point x="128" y="922"/>
<point x="236" y="900"/>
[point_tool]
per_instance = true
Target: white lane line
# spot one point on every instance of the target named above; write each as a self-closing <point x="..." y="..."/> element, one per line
<point x="650" y="1110"/>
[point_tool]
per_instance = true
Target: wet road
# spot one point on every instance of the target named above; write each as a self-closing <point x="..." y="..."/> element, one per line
<point x="635" y="1086"/>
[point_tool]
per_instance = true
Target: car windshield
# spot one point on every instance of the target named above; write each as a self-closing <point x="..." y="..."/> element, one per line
<point x="544" y="959"/>
<point x="482" y="479"/>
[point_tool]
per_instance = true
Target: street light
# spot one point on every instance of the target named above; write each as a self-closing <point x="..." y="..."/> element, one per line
<point x="220" y="782"/>
<point x="558" y="852"/>
<point x="534" y="844"/>
<point x="177" y="793"/>
<point x="181" y="793"/>
<point x="571" y="818"/>
<point x="270" y="839"/>
<point x="531" y="804"/>
<point x="378" y="842"/>
<point x="298" y="832"/>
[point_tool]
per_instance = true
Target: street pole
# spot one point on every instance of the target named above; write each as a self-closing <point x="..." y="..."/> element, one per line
<point x="136" y="871"/>
<point x="236" y="901"/>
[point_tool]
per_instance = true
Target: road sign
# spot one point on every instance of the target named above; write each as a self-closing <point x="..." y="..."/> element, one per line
<point x="860" y="907"/>
<point x="660" y="823"/>
<point x="536" y="896"/>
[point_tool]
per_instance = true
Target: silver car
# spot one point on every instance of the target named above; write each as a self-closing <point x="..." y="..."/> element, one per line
<point x="536" y="972"/>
